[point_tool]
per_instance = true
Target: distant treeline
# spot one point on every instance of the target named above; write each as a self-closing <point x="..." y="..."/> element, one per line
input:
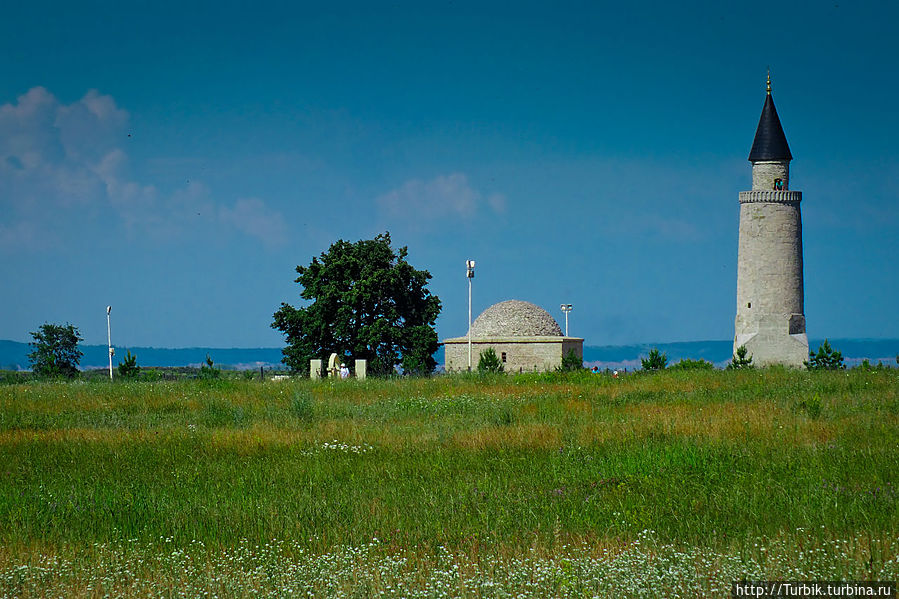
<point x="14" y="355"/>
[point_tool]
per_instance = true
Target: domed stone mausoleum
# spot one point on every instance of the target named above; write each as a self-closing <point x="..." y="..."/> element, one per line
<point x="524" y="336"/>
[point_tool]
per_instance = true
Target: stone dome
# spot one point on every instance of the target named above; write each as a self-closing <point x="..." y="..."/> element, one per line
<point x="515" y="318"/>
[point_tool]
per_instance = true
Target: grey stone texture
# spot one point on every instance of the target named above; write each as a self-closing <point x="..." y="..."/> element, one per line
<point x="515" y="318"/>
<point x="523" y="354"/>
<point x="525" y="334"/>
<point x="764" y="174"/>
<point x="770" y="318"/>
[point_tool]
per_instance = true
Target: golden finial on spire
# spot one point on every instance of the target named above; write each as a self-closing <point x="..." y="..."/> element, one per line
<point x="769" y="81"/>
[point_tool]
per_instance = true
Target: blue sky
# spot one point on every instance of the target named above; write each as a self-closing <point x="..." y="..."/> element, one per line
<point x="178" y="160"/>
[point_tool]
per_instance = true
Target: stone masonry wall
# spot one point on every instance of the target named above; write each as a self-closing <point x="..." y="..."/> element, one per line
<point x="764" y="174"/>
<point x="521" y="356"/>
<point x="770" y="317"/>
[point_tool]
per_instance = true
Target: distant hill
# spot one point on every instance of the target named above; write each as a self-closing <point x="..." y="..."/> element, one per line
<point x="720" y="352"/>
<point x="14" y="355"/>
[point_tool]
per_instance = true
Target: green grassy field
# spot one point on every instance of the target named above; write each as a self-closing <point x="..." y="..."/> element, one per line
<point x="571" y="485"/>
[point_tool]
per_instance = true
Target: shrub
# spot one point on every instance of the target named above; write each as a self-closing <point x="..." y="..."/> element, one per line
<point x="739" y="359"/>
<point x="11" y="377"/>
<point x="208" y="371"/>
<point x="128" y="367"/>
<point x="415" y="365"/>
<point x="688" y="364"/>
<point x="827" y="358"/>
<point x="489" y="361"/>
<point x="655" y="361"/>
<point x="811" y="407"/>
<point x="868" y="367"/>
<point x="571" y="362"/>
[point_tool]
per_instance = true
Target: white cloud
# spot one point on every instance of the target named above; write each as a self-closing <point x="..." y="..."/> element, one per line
<point x="60" y="161"/>
<point x="443" y="196"/>
<point x="91" y="127"/>
<point x="253" y="217"/>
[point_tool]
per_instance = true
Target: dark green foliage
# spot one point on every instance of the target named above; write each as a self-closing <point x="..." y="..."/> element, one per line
<point x="128" y="367"/>
<point x="208" y="370"/>
<point x="55" y="350"/>
<point x="11" y="377"/>
<point x="826" y="359"/>
<point x="367" y="302"/>
<point x="867" y="366"/>
<point x="417" y="365"/>
<point x="688" y="364"/>
<point x="739" y="359"/>
<point x="655" y="360"/>
<point x="571" y="362"/>
<point x="489" y="362"/>
<point x="811" y="407"/>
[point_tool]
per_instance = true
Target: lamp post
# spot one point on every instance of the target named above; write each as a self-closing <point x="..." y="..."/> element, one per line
<point x="566" y="308"/>
<point x="469" y="268"/>
<point x="109" y="340"/>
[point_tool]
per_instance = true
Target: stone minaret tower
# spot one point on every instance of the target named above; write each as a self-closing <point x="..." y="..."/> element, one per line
<point x="770" y="314"/>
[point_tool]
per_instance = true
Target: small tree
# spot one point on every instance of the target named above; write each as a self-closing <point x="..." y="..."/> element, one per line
<point x="208" y="370"/>
<point x="571" y="362"/>
<point x="128" y="367"/>
<point x="688" y="364"/>
<point x="868" y="367"/>
<point x="826" y="359"/>
<point x="56" y="350"/>
<point x="489" y="362"/>
<point x="655" y="361"/>
<point x="739" y="359"/>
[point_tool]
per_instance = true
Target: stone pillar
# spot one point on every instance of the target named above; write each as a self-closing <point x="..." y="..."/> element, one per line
<point x="770" y="319"/>
<point x="361" y="367"/>
<point x="315" y="369"/>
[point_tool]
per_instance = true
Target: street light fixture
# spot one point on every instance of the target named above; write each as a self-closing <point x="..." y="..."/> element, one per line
<point x="469" y="272"/>
<point x="566" y="308"/>
<point x="109" y="340"/>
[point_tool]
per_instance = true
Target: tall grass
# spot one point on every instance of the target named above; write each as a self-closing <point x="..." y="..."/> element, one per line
<point x="709" y="461"/>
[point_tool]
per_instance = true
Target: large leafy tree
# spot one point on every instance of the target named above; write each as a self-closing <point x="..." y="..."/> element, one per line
<point x="367" y="302"/>
<point x="55" y="350"/>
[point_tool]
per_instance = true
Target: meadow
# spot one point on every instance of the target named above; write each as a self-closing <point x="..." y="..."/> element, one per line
<point x="580" y="485"/>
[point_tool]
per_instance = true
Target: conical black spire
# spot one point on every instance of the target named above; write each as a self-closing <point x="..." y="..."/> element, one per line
<point x="770" y="143"/>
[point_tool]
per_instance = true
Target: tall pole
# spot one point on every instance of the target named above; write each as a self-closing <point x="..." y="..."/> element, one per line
<point x="469" y="272"/>
<point x="566" y="308"/>
<point x="109" y="339"/>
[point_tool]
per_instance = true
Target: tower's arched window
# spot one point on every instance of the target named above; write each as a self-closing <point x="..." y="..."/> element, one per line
<point x="778" y="184"/>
